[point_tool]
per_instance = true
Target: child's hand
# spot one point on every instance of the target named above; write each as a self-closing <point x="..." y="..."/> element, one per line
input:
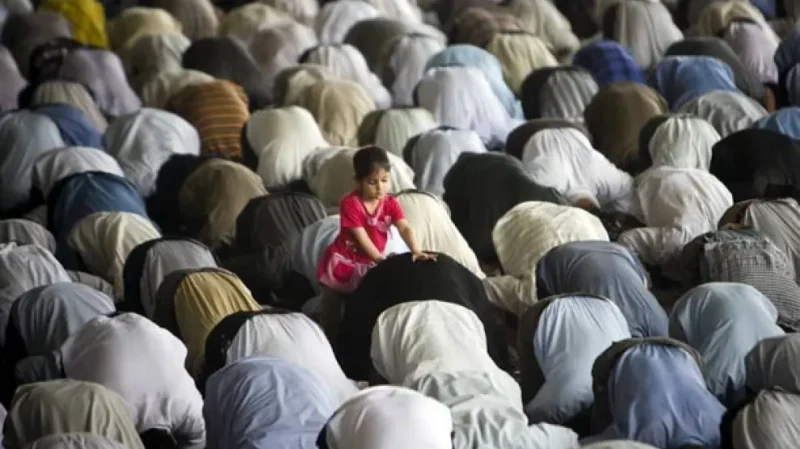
<point x="417" y="257"/>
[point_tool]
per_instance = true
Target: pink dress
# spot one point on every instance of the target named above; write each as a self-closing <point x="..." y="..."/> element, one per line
<point x="343" y="264"/>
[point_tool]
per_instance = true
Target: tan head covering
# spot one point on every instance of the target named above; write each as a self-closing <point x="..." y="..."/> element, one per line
<point x="716" y="16"/>
<point x="616" y="115"/>
<point x="279" y="47"/>
<point x="136" y="22"/>
<point x="520" y="54"/>
<point x="245" y="21"/>
<point x="214" y="195"/>
<point x="73" y="94"/>
<point x="201" y="300"/>
<point x="103" y="240"/>
<point x="197" y="17"/>
<point x="65" y="406"/>
<point x="158" y="90"/>
<point x="390" y="129"/>
<point x="477" y="26"/>
<point x="291" y="82"/>
<point x="219" y="111"/>
<point x="152" y="54"/>
<point x="338" y="106"/>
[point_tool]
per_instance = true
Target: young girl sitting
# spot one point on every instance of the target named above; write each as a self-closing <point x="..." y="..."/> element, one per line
<point x="366" y="215"/>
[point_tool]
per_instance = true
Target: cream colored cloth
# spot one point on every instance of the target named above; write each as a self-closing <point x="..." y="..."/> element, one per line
<point x="151" y="55"/>
<point x="338" y="107"/>
<point x="158" y="90"/>
<point x="524" y="234"/>
<point x="520" y="54"/>
<point x="197" y="17"/>
<point x="646" y="27"/>
<point x="72" y="94"/>
<point x="136" y="22"/>
<point x="103" y="240"/>
<point x="391" y="129"/>
<point x="244" y="22"/>
<point x="64" y="406"/>
<point x="334" y="178"/>
<point x="281" y="138"/>
<point x="304" y="11"/>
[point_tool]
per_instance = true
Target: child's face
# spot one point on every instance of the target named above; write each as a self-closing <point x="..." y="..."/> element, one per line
<point x="376" y="185"/>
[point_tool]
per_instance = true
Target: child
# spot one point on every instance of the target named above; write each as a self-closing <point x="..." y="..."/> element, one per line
<point x="366" y="216"/>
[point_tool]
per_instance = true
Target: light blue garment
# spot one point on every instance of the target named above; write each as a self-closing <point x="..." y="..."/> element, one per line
<point x="658" y="396"/>
<point x="472" y="56"/>
<point x="76" y="129"/>
<point x="265" y="403"/>
<point x="25" y="135"/>
<point x="604" y="269"/>
<point x="785" y="121"/>
<point x="572" y="332"/>
<point x="724" y="321"/>
<point x="681" y="79"/>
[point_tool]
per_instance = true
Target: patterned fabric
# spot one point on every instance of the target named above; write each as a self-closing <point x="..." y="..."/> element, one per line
<point x="609" y="62"/>
<point x="219" y="111"/>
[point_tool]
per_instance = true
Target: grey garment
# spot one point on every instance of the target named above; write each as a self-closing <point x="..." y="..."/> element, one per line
<point x="26" y="232"/>
<point x="772" y="364"/>
<point x="75" y="441"/>
<point x="608" y="270"/>
<point x="39" y="368"/>
<point x="11" y="80"/>
<point x="23" y="268"/>
<point x="46" y="316"/>
<point x="102" y="73"/>
<point x="727" y="112"/>
<point x="167" y="257"/>
<point x="22" y="33"/>
<point x="95" y="282"/>
<point x="25" y="135"/>
<point x="756" y="261"/>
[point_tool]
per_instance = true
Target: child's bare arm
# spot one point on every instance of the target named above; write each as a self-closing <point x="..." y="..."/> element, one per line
<point x="365" y="244"/>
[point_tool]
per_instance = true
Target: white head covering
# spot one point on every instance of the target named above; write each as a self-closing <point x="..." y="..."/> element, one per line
<point x="396" y="126"/>
<point x="370" y="420"/>
<point x="144" y="364"/>
<point x="281" y="139"/>
<point x="683" y="142"/>
<point x="336" y="18"/>
<point x="403" y="62"/>
<point x="462" y="98"/>
<point x="65" y="162"/>
<point x="727" y="112"/>
<point x="646" y="27"/>
<point x="143" y="141"/>
<point x="563" y="158"/>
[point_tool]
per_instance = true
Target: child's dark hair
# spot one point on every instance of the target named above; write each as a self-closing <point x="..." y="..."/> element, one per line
<point x="369" y="159"/>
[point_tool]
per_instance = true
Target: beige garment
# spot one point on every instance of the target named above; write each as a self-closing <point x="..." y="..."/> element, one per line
<point x="135" y="22"/>
<point x="245" y="21"/>
<point x="390" y="129"/>
<point x="303" y="11"/>
<point x="527" y="232"/>
<point x="542" y="19"/>
<point x="197" y="17"/>
<point x="73" y="94"/>
<point x="290" y="83"/>
<point x="429" y="217"/>
<point x="511" y="293"/>
<point x="716" y="16"/>
<point x="281" y="138"/>
<point x="202" y="300"/>
<point x="520" y="54"/>
<point x="158" y="90"/>
<point x="214" y="195"/>
<point x="770" y="421"/>
<point x="65" y="406"/>
<point x="103" y="240"/>
<point x="338" y="107"/>
<point x="151" y="55"/>
<point x="334" y="177"/>
<point x="615" y="117"/>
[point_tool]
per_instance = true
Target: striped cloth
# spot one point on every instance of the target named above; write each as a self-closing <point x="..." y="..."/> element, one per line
<point x="609" y="62"/>
<point x="558" y="92"/>
<point x="219" y="111"/>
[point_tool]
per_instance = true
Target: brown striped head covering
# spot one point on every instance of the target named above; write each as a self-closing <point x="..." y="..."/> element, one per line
<point x="219" y="111"/>
<point x="615" y="117"/>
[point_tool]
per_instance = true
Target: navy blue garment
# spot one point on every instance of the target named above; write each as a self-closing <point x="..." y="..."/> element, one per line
<point x="83" y="194"/>
<point x="76" y="130"/>
<point x="609" y="62"/>
<point x="681" y="79"/>
<point x="767" y="7"/>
